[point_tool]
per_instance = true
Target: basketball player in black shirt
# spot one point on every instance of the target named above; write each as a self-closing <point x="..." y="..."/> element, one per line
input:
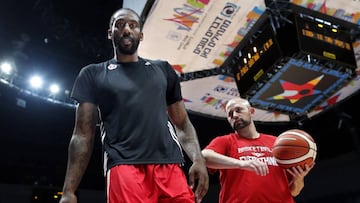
<point x="144" y="125"/>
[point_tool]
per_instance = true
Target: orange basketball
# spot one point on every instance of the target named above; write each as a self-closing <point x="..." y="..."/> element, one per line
<point x="294" y="147"/>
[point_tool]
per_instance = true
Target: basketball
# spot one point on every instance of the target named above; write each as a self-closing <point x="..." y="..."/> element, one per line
<point x="294" y="147"/>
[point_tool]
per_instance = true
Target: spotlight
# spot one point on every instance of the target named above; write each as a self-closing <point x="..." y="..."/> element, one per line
<point x="6" y="68"/>
<point x="36" y="82"/>
<point x="54" y="88"/>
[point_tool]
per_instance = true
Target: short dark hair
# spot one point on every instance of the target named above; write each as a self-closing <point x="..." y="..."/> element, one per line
<point x="112" y="19"/>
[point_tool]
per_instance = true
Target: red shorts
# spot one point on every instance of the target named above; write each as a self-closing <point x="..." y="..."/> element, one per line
<point x="148" y="183"/>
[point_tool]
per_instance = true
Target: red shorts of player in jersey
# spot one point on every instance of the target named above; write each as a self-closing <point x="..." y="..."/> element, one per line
<point x="148" y="183"/>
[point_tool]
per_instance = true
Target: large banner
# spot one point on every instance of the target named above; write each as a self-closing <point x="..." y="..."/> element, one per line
<point x="197" y="35"/>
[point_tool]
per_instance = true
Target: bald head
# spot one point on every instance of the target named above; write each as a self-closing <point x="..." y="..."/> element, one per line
<point x="237" y="101"/>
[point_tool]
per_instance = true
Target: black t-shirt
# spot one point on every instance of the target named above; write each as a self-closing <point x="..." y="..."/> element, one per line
<point x="132" y="99"/>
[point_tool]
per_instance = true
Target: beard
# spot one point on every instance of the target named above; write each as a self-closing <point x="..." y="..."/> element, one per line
<point x="124" y="48"/>
<point x="241" y="124"/>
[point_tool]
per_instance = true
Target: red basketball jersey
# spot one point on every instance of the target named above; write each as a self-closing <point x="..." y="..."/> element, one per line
<point x="245" y="186"/>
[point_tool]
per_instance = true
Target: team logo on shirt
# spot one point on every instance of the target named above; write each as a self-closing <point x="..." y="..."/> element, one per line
<point x="261" y="153"/>
<point x="112" y="66"/>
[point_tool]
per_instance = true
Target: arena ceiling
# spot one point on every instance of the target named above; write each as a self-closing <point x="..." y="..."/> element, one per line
<point x="207" y="41"/>
<point x="57" y="38"/>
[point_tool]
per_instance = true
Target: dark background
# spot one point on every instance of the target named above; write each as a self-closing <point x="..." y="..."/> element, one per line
<point x="57" y="38"/>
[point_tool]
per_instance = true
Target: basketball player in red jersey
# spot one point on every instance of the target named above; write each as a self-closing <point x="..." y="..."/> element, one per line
<point x="248" y="170"/>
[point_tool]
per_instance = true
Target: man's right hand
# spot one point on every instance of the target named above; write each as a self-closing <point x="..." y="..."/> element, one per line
<point x="68" y="198"/>
<point x="259" y="167"/>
